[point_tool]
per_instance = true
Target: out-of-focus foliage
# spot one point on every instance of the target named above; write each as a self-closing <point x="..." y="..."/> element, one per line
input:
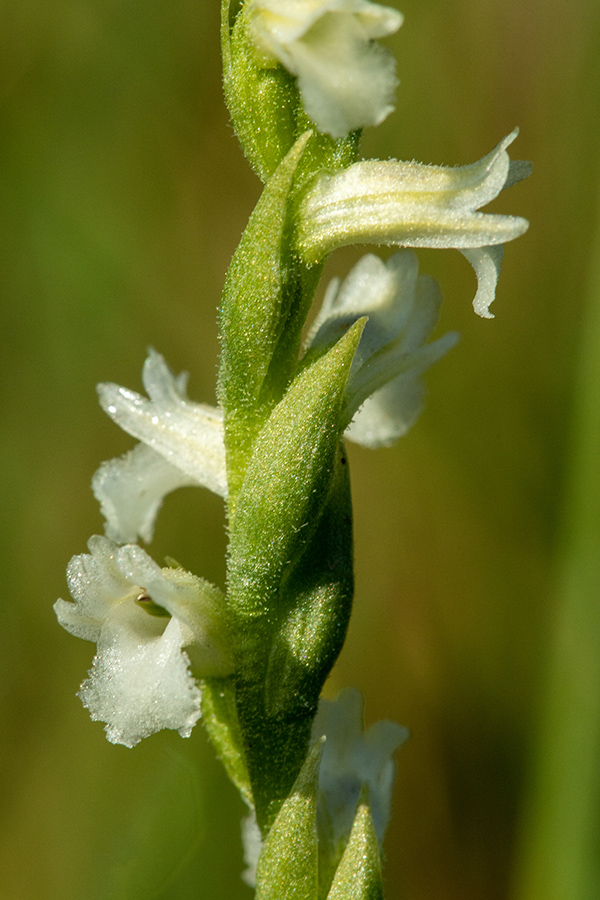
<point x="122" y="197"/>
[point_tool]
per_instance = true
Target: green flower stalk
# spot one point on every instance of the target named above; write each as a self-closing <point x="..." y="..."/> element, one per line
<point x="302" y="78"/>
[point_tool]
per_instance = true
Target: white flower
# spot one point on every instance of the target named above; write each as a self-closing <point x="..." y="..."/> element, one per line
<point x="252" y="845"/>
<point x="351" y="759"/>
<point x="385" y="384"/>
<point x="143" y="620"/>
<point x="182" y="444"/>
<point x="414" y="205"/>
<point x="346" y="81"/>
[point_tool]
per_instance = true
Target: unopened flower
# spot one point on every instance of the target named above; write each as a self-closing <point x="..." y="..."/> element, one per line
<point x="345" y="79"/>
<point x="385" y="390"/>
<point x="182" y="444"/>
<point x="413" y="205"/>
<point x="149" y="624"/>
<point x="351" y="759"/>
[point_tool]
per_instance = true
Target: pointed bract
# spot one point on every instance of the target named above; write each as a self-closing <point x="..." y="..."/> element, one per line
<point x="358" y="876"/>
<point x="287" y="867"/>
<point x="286" y="486"/>
<point x="258" y="301"/>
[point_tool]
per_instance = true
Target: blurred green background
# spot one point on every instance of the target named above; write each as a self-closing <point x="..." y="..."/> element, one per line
<point x="123" y="194"/>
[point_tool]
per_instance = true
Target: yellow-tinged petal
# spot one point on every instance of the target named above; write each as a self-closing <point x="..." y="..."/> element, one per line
<point x="413" y="205"/>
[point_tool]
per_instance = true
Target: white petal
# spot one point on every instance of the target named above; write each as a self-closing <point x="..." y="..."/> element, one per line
<point x="76" y="621"/>
<point x="162" y="386"/>
<point x="413" y="205"/>
<point x="187" y="435"/>
<point x="486" y="262"/>
<point x="518" y="171"/>
<point x="140" y="681"/>
<point x="382" y="291"/>
<point x="139" y="568"/>
<point x="198" y="606"/>
<point x="95" y="583"/>
<point x="375" y="284"/>
<point x="352" y="758"/>
<point x="366" y="205"/>
<point x="374" y="762"/>
<point x="131" y="489"/>
<point x="345" y="80"/>
<point x="252" y="844"/>
<point x="389" y="413"/>
<point x="409" y="204"/>
<point x="391" y="410"/>
<point x="276" y="23"/>
<point x="384" y="395"/>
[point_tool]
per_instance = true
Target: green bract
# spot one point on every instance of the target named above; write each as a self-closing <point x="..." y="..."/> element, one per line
<point x="265" y="104"/>
<point x="262" y="101"/>
<point x="293" y="876"/>
<point x="262" y="289"/>
<point x="288" y="480"/>
<point x="358" y="876"/>
<point x="288" y="596"/>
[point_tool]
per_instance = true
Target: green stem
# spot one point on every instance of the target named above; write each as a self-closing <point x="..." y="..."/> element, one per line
<point x="562" y="827"/>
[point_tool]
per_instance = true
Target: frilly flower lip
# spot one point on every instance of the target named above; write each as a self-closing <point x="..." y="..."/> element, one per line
<point x="413" y="205"/>
<point x="148" y="623"/>
<point x="385" y="391"/>
<point x="181" y="445"/>
<point x="351" y="759"/>
<point x="346" y="81"/>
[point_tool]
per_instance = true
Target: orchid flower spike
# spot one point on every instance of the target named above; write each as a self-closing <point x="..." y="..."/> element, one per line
<point x="351" y="759"/>
<point x="345" y="79"/>
<point x="149" y="625"/>
<point x="385" y="390"/>
<point x="408" y="204"/>
<point x="181" y="445"/>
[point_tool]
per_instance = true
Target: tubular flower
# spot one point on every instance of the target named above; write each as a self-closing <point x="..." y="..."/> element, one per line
<point x="413" y="205"/>
<point x="148" y="624"/>
<point x="346" y="81"/>
<point x="182" y="444"/>
<point x="385" y="391"/>
<point x="351" y="759"/>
